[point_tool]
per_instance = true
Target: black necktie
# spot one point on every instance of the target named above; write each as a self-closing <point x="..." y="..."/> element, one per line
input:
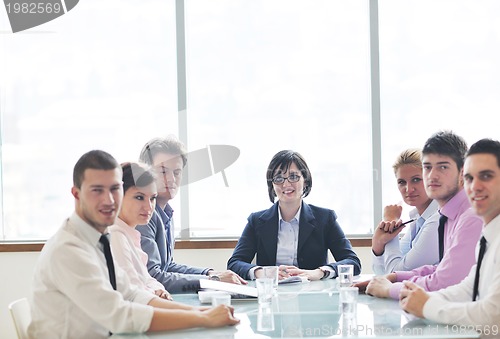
<point x="109" y="259"/>
<point x="442" y="220"/>
<point x="482" y="249"/>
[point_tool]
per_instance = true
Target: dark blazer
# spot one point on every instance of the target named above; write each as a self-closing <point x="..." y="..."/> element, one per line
<point x="177" y="278"/>
<point x="319" y="232"/>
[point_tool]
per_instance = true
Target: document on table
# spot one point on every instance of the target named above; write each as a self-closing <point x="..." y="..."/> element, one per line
<point x="293" y="279"/>
<point x="227" y="287"/>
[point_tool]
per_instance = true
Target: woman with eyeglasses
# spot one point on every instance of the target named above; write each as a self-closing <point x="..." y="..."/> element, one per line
<point x="138" y="205"/>
<point x="292" y="234"/>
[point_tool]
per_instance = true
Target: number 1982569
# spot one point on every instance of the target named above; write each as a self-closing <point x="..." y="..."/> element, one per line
<point x="33" y="7"/>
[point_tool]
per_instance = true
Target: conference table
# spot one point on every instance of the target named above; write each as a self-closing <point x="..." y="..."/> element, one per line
<point x="312" y="309"/>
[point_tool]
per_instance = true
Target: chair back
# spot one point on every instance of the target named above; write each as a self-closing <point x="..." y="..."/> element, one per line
<point x="21" y="314"/>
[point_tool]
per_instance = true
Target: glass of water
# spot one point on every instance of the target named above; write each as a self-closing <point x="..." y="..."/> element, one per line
<point x="346" y="275"/>
<point x="265" y="289"/>
<point x="272" y="273"/>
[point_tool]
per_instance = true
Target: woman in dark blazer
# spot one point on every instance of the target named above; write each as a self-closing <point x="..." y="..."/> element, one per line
<point x="292" y="234"/>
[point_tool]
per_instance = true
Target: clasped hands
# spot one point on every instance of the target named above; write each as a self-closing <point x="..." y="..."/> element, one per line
<point x="228" y="276"/>
<point x="412" y="297"/>
<point x="379" y="286"/>
<point x="286" y="271"/>
<point x="387" y="229"/>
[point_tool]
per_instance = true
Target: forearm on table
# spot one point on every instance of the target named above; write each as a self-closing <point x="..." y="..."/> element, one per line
<point x="166" y="320"/>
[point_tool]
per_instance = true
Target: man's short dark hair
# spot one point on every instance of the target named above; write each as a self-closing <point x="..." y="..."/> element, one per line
<point x="281" y="162"/>
<point x="170" y="145"/>
<point x="449" y="144"/>
<point x="486" y="146"/>
<point x="95" y="159"/>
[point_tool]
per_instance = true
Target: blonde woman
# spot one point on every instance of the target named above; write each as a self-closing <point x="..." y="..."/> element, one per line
<point x="419" y="246"/>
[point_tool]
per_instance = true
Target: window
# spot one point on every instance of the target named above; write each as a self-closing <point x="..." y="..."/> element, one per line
<point x="101" y="76"/>
<point x="261" y="76"/>
<point x="266" y="76"/>
<point x="439" y="70"/>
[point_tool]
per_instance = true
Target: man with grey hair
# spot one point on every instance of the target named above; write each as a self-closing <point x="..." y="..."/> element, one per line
<point x="168" y="157"/>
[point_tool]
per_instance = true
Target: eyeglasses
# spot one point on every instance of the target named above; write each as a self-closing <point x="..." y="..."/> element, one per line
<point x="280" y="180"/>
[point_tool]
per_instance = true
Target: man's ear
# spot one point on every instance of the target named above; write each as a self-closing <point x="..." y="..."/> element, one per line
<point x="75" y="192"/>
<point x="461" y="178"/>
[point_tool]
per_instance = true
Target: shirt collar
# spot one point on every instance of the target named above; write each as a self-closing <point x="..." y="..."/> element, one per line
<point x="87" y="231"/>
<point x="455" y="205"/>
<point x="122" y="225"/>
<point x="491" y="231"/>
<point x="167" y="211"/>
<point x="429" y="211"/>
<point x="296" y="217"/>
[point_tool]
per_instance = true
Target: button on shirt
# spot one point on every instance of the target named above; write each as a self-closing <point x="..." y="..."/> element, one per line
<point x="454" y="304"/>
<point x="72" y="296"/>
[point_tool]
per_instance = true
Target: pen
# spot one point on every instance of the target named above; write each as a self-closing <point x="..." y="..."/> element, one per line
<point x="406" y="222"/>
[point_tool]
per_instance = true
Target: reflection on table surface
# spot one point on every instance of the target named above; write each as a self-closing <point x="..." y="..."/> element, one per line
<point x="313" y="310"/>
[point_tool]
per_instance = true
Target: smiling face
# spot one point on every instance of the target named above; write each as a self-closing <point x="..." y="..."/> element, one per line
<point x="482" y="184"/>
<point x="99" y="198"/>
<point x="442" y="179"/>
<point x="411" y="187"/>
<point x="138" y="205"/>
<point x="289" y="192"/>
<point x="168" y="169"/>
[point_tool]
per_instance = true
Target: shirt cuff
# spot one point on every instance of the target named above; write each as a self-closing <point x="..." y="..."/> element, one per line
<point x="206" y="270"/>
<point x="432" y="307"/>
<point x="251" y="273"/>
<point x="395" y="289"/>
<point x="332" y="274"/>
<point x="404" y="275"/>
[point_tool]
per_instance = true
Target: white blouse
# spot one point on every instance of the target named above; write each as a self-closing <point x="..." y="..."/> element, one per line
<point x="128" y="254"/>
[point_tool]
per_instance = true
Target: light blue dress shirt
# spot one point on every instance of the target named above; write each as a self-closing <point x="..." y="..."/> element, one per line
<point x="419" y="246"/>
<point x="288" y="241"/>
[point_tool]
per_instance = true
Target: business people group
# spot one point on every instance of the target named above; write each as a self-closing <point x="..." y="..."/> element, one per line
<point x="81" y="291"/>
<point x="475" y="300"/>
<point x="459" y="227"/>
<point x="78" y="292"/>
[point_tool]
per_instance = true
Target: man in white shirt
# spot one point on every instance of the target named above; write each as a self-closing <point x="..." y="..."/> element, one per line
<point x="77" y="292"/>
<point x="476" y="300"/>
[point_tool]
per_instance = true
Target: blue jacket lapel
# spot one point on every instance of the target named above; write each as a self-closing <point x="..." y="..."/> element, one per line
<point x="267" y="230"/>
<point x="306" y="225"/>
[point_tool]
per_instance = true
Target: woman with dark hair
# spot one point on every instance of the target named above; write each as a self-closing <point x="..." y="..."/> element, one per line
<point x="292" y="234"/>
<point x="139" y="200"/>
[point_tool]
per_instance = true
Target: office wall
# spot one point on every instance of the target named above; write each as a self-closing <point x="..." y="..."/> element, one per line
<point x="17" y="270"/>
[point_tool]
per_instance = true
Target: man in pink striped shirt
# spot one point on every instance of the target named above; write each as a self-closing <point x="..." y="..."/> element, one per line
<point x="442" y="160"/>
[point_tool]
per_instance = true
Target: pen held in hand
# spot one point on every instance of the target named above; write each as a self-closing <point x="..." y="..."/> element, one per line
<point x="406" y="222"/>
